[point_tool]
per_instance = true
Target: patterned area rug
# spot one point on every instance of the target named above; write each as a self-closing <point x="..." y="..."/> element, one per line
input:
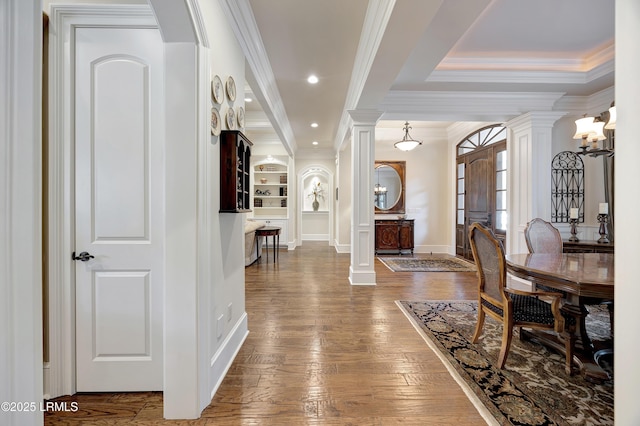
<point x="431" y="264"/>
<point x="532" y="389"/>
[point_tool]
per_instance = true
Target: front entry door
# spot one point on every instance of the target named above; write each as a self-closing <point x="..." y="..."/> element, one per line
<point x="119" y="221"/>
<point x="484" y="194"/>
<point x="479" y="191"/>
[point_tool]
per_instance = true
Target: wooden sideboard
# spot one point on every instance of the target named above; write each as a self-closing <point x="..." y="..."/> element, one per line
<point x="586" y="246"/>
<point x="394" y="235"/>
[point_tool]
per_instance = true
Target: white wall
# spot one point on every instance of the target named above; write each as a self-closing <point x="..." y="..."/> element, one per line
<point x="627" y="343"/>
<point x="593" y="173"/>
<point x="343" y="205"/>
<point x="226" y="314"/>
<point x="428" y="194"/>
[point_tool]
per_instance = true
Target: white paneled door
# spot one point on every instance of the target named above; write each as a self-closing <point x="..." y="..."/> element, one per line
<point x="119" y="208"/>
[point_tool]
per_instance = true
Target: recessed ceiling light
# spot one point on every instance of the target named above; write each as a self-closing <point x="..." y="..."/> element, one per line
<point x="314" y="125"/>
<point x="248" y="100"/>
<point x="314" y="143"/>
<point x="312" y="79"/>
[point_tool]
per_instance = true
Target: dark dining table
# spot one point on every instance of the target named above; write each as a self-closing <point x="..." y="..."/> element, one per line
<point x="584" y="279"/>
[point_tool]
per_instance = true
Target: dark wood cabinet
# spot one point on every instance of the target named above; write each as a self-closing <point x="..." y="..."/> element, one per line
<point x="394" y="235"/>
<point x="586" y="246"/>
<point x="235" y="156"/>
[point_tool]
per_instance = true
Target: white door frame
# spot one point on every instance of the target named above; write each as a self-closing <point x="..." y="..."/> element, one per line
<point x="186" y="390"/>
<point x="60" y="373"/>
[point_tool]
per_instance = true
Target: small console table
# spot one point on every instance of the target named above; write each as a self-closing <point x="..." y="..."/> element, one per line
<point x="266" y="232"/>
<point x="394" y="235"/>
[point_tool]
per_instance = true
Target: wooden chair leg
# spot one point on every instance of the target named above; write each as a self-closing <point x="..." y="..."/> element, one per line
<point x="569" y="343"/>
<point x="507" y="334"/>
<point x="479" y="325"/>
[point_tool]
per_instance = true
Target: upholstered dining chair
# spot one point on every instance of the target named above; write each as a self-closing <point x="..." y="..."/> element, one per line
<point x="513" y="308"/>
<point x="542" y="237"/>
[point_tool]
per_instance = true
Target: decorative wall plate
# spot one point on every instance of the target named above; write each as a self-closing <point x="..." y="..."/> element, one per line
<point x="216" y="123"/>
<point x="217" y="90"/>
<point x="231" y="119"/>
<point x="231" y="89"/>
<point x="240" y="117"/>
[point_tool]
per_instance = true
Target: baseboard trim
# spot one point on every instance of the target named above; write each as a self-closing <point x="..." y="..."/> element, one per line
<point x="221" y="361"/>
<point x="342" y="248"/>
<point x="362" y="277"/>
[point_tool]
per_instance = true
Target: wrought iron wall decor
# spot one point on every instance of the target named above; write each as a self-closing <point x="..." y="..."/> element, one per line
<point x="567" y="186"/>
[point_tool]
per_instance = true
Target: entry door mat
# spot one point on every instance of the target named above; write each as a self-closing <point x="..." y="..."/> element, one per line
<point x="532" y="389"/>
<point x="427" y="264"/>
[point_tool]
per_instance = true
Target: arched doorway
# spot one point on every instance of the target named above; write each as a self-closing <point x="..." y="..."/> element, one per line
<point x="481" y="184"/>
<point x="315" y="204"/>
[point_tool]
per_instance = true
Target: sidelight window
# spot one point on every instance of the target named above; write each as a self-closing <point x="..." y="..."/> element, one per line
<point x="501" y="190"/>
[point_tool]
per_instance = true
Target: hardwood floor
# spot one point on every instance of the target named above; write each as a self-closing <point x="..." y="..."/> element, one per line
<point x="319" y="352"/>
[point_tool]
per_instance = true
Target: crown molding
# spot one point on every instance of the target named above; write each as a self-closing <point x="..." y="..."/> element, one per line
<point x="513" y="63"/>
<point x="594" y="104"/>
<point x="522" y="77"/>
<point x="465" y="106"/>
<point x="261" y="77"/>
<point x="375" y="23"/>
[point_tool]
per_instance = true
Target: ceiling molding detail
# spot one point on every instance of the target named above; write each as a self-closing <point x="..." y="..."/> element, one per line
<point x="589" y="63"/>
<point x="523" y="77"/>
<point x="594" y="104"/>
<point x="375" y="23"/>
<point x="260" y="76"/>
<point x="465" y="106"/>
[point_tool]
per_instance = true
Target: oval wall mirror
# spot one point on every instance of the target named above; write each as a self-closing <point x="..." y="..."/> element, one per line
<point x="388" y="187"/>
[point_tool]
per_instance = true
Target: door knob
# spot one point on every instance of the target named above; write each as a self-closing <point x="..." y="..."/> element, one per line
<point x="84" y="256"/>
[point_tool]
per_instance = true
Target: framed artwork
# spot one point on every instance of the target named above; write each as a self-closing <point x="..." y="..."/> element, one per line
<point x="231" y="119"/>
<point x="217" y="90"/>
<point x="240" y="117"/>
<point x="216" y="125"/>
<point x="231" y="89"/>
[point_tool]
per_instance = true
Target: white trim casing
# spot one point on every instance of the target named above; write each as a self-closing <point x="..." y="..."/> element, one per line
<point x="63" y="20"/>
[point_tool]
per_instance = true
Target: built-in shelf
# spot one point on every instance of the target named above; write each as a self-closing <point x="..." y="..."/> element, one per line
<point x="270" y="185"/>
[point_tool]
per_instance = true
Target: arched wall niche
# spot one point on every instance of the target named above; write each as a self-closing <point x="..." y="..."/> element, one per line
<point x="322" y="218"/>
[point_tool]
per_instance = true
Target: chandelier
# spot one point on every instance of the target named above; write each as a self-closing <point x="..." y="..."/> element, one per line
<point x="407" y="143"/>
<point x="591" y="131"/>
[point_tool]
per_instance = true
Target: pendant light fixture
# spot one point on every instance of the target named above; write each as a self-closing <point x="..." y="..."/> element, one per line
<point x="407" y="143"/>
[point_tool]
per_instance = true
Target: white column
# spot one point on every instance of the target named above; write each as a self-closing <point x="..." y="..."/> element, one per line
<point x="627" y="176"/>
<point x="529" y="173"/>
<point x="361" y="271"/>
<point x="21" y="210"/>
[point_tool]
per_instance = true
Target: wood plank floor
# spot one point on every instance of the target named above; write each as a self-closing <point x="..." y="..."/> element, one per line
<point x="319" y="352"/>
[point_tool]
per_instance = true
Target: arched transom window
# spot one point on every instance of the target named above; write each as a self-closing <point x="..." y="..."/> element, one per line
<point x="482" y="138"/>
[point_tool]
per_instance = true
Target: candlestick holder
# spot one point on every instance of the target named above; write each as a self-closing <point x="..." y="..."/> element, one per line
<point x="574" y="230"/>
<point x="603" y="219"/>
